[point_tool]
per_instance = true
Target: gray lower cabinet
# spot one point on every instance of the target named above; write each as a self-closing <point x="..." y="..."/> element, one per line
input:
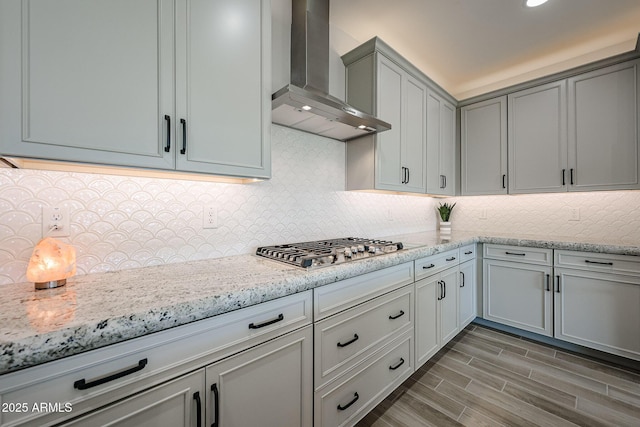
<point x="483" y="151"/>
<point x="161" y="84"/>
<point x="467" y="293"/>
<point x="517" y="287"/>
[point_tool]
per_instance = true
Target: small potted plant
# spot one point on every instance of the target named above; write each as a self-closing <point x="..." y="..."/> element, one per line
<point x="445" y="209"/>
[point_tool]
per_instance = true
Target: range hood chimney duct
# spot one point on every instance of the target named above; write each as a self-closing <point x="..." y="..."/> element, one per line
<point x="305" y="104"/>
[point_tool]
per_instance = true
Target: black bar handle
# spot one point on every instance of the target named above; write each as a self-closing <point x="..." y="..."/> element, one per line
<point x="444" y="286"/>
<point x="167" y="119"/>
<point x="400" y="363"/>
<point x="558" y="288"/>
<point x="451" y="259"/>
<point x="354" y="400"/>
<point x="83" y="384"/>
<point x="571" y="171"/>
<point x="196" y="397"/>
<point x="462" y="274"/>
<point x="515" y="253"/>
<point x="504" y="181"/>
<point x="408" y="175"/>
<point x="547" y="288"/>
<point x="216" y="405"/>
<point x="351" y="341"/>
<point x="445" y="181"/>
<point x="426" y="267"/>
<point x="468" y="252"/>
<point x="184" y="136"/>
<point x="267" y="323"/>
<point x="440" y="284"/>
<point x="564" y="182"/>
<point x="397" y="316"/>
<point x="597" y="262"/>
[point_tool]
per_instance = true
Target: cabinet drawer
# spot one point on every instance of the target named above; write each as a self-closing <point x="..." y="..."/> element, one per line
<point x="467" y="252"/>
<point x="527" y="255"/>
<point x="621" y="264"/>
<point x="435" y="263"/>
<point x="346" y="338"/>
<point x="344" y="402"/>
<point x="333" y="298"/>
<point x="152" y="359"/>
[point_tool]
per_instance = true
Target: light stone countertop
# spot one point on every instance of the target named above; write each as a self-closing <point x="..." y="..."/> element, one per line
<point x="96" y="310"/>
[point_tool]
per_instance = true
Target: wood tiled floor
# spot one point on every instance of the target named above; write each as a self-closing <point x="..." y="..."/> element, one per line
<point x="488" y="378"/>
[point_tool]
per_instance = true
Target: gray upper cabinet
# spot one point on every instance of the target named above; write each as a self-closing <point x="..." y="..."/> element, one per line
<point x="538" y="139"/>
<point x="483" y="136"/>
<point x="441" y="134"/>
<point x="129" y="83"/>
<point x="603" y="128"/>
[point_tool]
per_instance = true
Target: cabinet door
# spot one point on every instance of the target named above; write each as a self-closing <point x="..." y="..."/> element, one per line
<point x="448" y="306"/>
<point x="538" y="139"/>
<point x="270" y="385"/>
<point x="176" y="403"/>
<point x="467" y="293"/>
<point x="440" y="146"/>
<point x="598" y="310"/>
<point x="415" y="135"/>
<point x="483" y="136"/>
<point x="223" y="87"/>
<point x="390" y="85"/>
<point x="603" y="128"/>
<point x="426" y="318"/>
<point x="73" y="88"/>
<point x="518" y="295"/>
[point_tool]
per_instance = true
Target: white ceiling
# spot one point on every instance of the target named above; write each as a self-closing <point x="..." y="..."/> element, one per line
<point x="471" y="47"/>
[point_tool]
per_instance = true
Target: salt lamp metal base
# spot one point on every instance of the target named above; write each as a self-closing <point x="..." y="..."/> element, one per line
<point x="51" y="284"/>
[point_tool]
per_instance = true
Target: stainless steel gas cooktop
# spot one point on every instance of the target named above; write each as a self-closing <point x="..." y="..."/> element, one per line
<point x="328" y="252"/>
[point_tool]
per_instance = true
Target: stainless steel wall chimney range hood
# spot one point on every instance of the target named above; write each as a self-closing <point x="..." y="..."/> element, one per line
<point x="305" y="104"/>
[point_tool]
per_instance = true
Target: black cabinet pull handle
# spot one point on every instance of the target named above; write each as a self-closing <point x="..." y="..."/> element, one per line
<point x="558" y="288"/>
<point x="451" y="259"/>
<point x="444" y="287"/>
<point x="547" y="287"/>
<point x="462" y="274"/>
<point x="196" y="397"/>
<point x="468" y="252"/>
<point x="515" y="253"/>
<point x="597" y="262"/>
<point x="408" y="175"/>
<point x="351" y="341"/>
<point x="504" y="181"/>
<point x="184" y="136"/>
<point x="445" y="181"/>
<point x="571" y="172"/>
<point x="440" y="284"/>
<point x="397" y="316"/>
<point x="267" y="323"/>
<point x="216" y="405"/>
<point x="400" y="363"/>
<point x="83" y="384"/>
<point x="354" y="400"/>
<point x="426" y="267"/>
<point x="167" y="119"/>
<point x="441" y="181"/>
<point x="563" y="178"/>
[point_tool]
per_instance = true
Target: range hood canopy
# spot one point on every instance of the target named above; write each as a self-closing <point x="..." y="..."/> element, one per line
<point x="305" y="104"/>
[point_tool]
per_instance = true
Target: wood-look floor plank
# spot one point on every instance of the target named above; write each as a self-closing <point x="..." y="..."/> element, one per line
<point x="438" y="401"/>
<point x="515" y="340"/>
<point x="501" y="344"/>
<point x="624" y="395"/>
<point x="494" y="359"/>
<point x="474" y="373"/>
<point x="414" y="412"/>
<point x="607" y="414"/>
<point x="471" y="418"/>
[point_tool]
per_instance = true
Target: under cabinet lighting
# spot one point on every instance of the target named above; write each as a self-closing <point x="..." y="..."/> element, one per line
<point x="534" y="3"/>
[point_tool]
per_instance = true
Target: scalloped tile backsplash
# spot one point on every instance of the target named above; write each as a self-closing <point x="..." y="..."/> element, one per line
<point x="127" y="222"/>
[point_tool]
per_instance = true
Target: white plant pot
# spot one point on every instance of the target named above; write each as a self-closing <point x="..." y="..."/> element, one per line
<point x="445" y="227"/>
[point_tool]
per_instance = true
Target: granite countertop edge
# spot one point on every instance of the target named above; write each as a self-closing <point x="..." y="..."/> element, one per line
<point x="272" y="281"/>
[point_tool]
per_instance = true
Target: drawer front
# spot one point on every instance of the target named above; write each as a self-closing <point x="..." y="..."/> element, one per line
<point x="343" y="403"/>
<point x="433" y="264"/>
<point x="527" y="255"/>
<point x="339" y="296"/>
<point x="467" y="252"/>
<point x="620" y="264"/>
<point x="149" y="360"/>
<point x="346" y="338"/>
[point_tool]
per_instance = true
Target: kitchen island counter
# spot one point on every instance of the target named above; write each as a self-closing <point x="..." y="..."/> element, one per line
<point x="100" y="309"/>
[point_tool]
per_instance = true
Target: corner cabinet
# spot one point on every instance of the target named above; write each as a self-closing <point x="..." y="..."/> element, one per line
<point x="441" y="144"/>
<point x="163" y="84"/>
<point x="483" y="151"/>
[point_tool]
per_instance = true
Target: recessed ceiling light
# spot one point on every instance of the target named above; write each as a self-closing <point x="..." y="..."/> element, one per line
<point x="534" y="3"/>
<point x="307" y="108"/>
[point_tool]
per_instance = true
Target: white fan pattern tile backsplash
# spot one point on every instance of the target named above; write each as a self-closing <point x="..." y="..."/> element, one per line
<point x="127" y="222"/>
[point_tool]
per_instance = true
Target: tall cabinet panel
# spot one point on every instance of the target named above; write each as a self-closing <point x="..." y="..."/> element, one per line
<point x="603" y="128"/>
<point x="441" y="122"/>
<point x="538" y="139"/>
<point x="483" y="136"/>
<point x="87" y="81"/>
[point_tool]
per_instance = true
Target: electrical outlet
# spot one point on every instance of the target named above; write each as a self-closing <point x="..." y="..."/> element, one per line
<point x="210" y="217"/>
<point x="55" y="221"/>
<point x="483" y="213"/>
<point x="574" y="214"/>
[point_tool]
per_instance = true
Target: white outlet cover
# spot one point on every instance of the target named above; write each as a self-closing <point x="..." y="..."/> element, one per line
<point x="55" y="221"/>
<point x="210" y="217"/>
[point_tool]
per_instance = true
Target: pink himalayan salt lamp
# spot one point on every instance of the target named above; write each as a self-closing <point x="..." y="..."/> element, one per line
<point x="51" y="263"/>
